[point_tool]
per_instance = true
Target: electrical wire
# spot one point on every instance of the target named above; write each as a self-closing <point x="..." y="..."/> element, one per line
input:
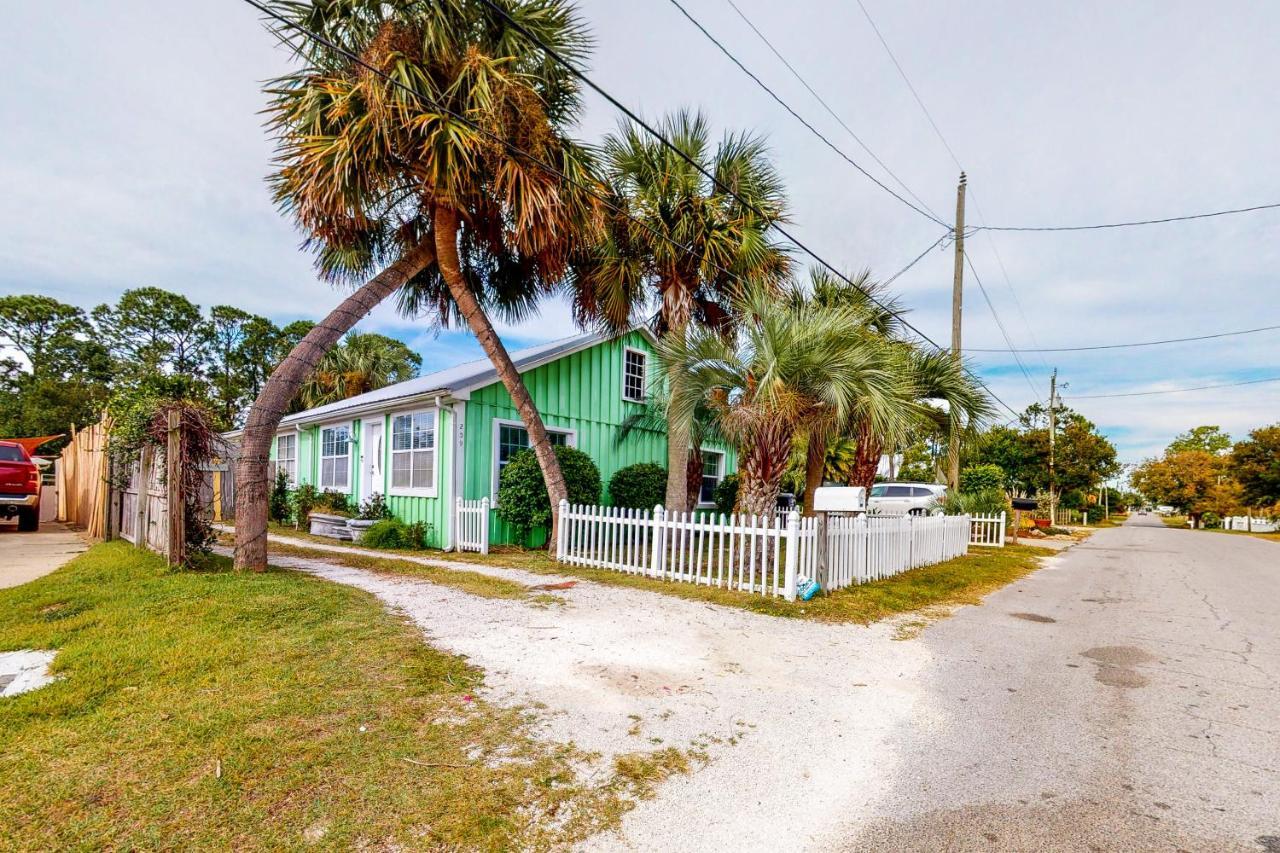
<point x="1004" y="271"/>
<point x="1000" y="325"/>
<point x="1173" y="390"/>
<point x="799" y="117"/>
<point x="1139" y="344"/>
<point x="1132" y="223"/>
<point x="671" y="146"/>
<point x="831" y="112"/>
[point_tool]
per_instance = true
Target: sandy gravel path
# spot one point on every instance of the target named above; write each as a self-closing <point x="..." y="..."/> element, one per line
<point x="794" y="716"/>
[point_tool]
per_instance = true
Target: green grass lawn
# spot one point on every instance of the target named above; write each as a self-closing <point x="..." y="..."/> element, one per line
<point x="961" y="581"/>
<point x="1178" y="521"/>
<point x="219" y="710"/>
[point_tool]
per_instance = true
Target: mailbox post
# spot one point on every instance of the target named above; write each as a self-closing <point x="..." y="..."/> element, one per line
<point x="1019" y="504"/>
<point x="838" y="500"/>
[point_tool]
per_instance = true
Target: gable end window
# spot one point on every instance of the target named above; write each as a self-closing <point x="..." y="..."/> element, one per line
<point x="413" y="452"/>
<point x="287" y="456"/>
<point x="335" y="458"/>
<point x="634" y="374"/>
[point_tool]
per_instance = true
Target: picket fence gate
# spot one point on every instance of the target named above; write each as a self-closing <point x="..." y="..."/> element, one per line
<point x="762" y="555"/>
<point x="471" y="525"/>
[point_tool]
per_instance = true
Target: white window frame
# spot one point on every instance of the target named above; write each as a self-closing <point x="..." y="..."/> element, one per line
<point x="293" y="474"/>
<point x="724" y="460"/>
<point x="571" y="440"/>
<point x="320" y="483"/>
<point x="644" y="384"/>
<point x="390" y="443"/>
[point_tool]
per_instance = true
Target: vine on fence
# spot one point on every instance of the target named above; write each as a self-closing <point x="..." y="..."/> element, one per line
<point x="142" y="421"/>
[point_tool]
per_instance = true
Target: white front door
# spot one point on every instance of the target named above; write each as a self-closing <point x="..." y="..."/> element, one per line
<point x="371" y="456"/>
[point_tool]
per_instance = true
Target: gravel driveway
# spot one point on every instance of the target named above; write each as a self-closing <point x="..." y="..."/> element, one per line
<point x="796" y="717"/>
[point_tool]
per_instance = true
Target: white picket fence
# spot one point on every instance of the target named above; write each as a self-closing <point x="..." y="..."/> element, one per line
<point x="1244" y="522"/>
<point x="763" y="555"/>
<point x="471" y="525"/>
<point x="869" y="547"/>
<point x="987" y="530"/>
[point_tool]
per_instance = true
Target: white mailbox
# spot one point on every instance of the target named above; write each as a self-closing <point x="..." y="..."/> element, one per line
<point x="840" y="499"/>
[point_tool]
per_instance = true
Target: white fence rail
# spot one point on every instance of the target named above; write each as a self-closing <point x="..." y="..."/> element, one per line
<point x="987" y="530"/>
<point x="1244" y="522"/>
<point x="471" y="525"/>
<point x="763" y="555"/>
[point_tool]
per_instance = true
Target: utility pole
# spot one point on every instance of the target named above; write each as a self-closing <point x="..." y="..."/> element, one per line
<point x="1053" y="423"/>
<point x="957" y="311"/>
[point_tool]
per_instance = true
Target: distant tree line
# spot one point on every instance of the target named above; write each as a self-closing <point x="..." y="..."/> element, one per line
<point x="60" y="365"/>
<point x="1203" y="474"/>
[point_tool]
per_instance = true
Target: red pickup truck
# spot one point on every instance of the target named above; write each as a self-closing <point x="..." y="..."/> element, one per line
<point x="19" y="486"/>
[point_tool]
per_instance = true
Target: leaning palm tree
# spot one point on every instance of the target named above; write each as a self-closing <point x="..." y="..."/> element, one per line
<point x="791" y="362"/>
<point x="432" y="168"/>
<point x="680" y="241"/>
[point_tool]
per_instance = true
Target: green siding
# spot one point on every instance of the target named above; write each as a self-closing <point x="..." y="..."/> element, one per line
<point x="433" y="511"/>
<point x="580" y="392"/>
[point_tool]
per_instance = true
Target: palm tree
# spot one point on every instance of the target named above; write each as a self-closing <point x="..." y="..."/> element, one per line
<point x="362" y="362"/>
<point x="792" y="362"/>
<point x="682" y="242"/>
<point x="878" y="316"/>
<point x="933" y="377"/>
<point x="416" y="171"/>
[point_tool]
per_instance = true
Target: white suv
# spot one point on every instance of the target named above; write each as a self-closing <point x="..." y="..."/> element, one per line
<point x="905" y="498"/>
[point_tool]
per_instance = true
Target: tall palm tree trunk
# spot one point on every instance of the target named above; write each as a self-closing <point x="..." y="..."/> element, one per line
<point x="867" y="458"/>
<point x="693" y="477"/>
<point x="446" y="230"/>
<point x="273" y="401"/>
<point x="762" y="462"/>
<point x="815" y="467"/>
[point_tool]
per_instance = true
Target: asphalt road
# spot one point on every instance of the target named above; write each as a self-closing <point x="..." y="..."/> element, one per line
<point x="1127" y="697"/>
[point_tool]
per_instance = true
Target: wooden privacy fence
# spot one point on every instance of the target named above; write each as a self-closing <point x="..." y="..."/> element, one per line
<point x="762" y="555"/>
<point x="987" y="530"/>
<point x="471" y="525"/>
<point x="82" y="480"/>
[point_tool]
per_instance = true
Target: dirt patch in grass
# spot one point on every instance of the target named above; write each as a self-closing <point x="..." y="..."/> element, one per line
<point x="220" y="710"/>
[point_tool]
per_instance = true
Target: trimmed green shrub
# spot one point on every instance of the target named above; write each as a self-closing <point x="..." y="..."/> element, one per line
<point x="522" y="494"/>
<point x="278" y="505"/>
<point x="1211" y="521"/>
<point x="334" y="502"/>
<point x="981" y="478"/>
<point x="726" y="494"/>
<point x="639" y="486"/>
<point x="389" y="533"/>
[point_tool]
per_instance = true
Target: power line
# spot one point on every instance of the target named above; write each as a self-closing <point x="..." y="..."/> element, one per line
<point x="1004" y="271"/>
<point x="831" y="112"/>
<point x="1000" y="325"/>
<point x="891" y="279"/>
<point x="671" y="146"/>
<point x="1140" y="344"/>
<point x="801" y="118"/>
<point x="1174" y="390"/>
<point x="1132" y="223"/>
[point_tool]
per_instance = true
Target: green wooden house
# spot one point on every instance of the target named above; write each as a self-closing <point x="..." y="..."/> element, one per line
<point x="446" y="435"/>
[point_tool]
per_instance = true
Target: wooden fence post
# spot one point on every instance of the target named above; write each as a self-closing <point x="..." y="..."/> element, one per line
<point x="176" y="549"/>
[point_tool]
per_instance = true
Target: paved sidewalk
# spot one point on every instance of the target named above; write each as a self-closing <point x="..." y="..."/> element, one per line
<point x="27" y="556"/>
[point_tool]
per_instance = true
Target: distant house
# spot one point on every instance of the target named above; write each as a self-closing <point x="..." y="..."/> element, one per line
<point x="428" y="441"/>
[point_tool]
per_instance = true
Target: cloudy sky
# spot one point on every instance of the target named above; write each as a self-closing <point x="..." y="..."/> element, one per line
<point x="133" y="154"/>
